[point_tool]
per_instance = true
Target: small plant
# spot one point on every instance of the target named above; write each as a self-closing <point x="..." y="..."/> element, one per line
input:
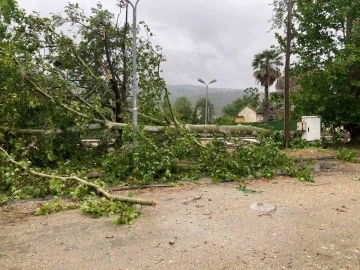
<point x="245" y="190"/>
<point x="299" y="143"/>
<point x="53" y="206"/>
<point x="304" y="174"/>
<point x="336" y="137"/>
<point x="124" y="213"/>
<point x="125" y="218"/>
<point x="346" y="155"/>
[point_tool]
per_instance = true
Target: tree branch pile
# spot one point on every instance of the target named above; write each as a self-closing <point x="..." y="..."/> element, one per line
<point x="97" y="188"/>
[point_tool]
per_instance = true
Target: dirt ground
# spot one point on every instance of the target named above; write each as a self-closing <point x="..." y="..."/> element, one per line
<point x="309" y="152"/>
<point x="203" y="226"/>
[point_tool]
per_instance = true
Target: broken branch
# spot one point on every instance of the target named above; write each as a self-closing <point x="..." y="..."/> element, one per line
<point x="98" y="189"/>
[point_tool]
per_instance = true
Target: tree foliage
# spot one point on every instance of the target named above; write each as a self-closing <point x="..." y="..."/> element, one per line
<point x="225" y="120"/>
<point x="251" y="98"/>
<point x="62" y="78"/>
<point x="182" y="108"/>
<point x="200" y="109"/>
<point x="293" y="84"/>
<point x="326" y="43"/>
<point x="59" y="88"/>
<point x="53" y="80"/>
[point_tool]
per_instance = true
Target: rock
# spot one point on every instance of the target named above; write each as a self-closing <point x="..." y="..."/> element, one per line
<point x="263" y="207"/>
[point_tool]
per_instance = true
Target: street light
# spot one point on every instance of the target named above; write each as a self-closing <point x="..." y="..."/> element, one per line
<point x="206" y="101"/>
<point x="134" y="52"/>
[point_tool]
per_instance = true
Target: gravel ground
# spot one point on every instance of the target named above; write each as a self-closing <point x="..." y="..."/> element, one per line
<point x="204" y="226"/>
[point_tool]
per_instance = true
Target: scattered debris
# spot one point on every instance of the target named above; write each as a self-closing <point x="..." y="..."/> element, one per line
<point x="141" y="187"/>
<point x="339" y="210"/>
<point x="193" y="200"/>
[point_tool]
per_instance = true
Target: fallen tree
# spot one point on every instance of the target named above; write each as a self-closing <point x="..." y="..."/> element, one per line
<point x="213" y="129"/>
<point x="79" y="88"/>
<point x="238" y="130"/>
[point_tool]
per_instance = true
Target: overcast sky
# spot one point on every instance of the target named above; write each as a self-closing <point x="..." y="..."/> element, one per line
<point x="208" y="39"/>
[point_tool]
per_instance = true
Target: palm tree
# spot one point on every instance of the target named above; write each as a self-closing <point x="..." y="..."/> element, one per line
<point x="266" y="67"/>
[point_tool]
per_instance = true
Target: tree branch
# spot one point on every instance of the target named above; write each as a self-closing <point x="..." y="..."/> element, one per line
<point x="108" y="125"/>
<point x="114" y="80"/>
<point x="32" y="131"/>
<point x="98" y="189"/>
<point x="83" y="101"/>
<point x="170" y="107"/>
<point x="96" y="87"/>
<point x="151" y="119"/>
<point x="43" y="93"/>
<point x="239" y="129"/>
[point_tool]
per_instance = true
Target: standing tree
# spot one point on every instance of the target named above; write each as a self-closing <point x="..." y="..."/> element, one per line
<point x="182" y="109"/>
<point x="326" y="44"/>
<point x="199" y="111"/>
<point x="293" y="84"/>
<point x="266" y="67"/>
<point x="251" y="98"/>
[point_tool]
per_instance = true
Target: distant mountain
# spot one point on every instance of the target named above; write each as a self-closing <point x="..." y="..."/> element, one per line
<point x="220" y="97"/>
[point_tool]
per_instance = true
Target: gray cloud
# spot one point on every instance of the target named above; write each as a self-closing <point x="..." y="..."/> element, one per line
<point x="201" y="38"/>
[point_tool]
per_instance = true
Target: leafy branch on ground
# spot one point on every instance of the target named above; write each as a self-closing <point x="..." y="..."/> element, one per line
<point x="97" y="188"/>
<point x="346" y="155"/>
<point x="54" y="206"/>
<point x="122" y="213"/>
<point x="246" y="190"/>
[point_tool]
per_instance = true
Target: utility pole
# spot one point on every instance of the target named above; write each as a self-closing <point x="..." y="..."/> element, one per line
<point x="135" y="82"/>
<point x="287" y="77"/>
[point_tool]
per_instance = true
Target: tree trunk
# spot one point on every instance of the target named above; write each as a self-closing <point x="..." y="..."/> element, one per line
<point x="114" y="84"/>
<point x="123" y="49"/>
<point x="266" y="103"/>
<point x="239" y="129"/>
<point x="354" y="131"/>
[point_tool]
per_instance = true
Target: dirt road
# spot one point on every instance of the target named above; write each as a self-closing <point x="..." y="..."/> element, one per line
<point x="311" y="226"/>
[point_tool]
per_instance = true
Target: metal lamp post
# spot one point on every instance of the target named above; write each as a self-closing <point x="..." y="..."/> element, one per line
<point x="134" y="52"/>
<point x="206" y="101"/>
